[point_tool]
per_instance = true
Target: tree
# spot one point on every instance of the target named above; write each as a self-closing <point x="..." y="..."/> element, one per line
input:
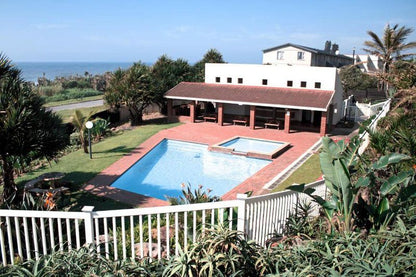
<point x="167" y="73"/>
<point x="28" y="131"/>
<point x="137" y="94"/>
<point x="79" y="120"/>
<point x="212" y="56"/>
<point x="112" y="95"/>
<point x="402" y="74"/>
<point x="390" y="47"/>
<point x="352" y="78"/>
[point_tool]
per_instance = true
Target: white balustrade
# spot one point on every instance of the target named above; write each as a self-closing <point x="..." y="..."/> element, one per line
<point x="157" y="232"/>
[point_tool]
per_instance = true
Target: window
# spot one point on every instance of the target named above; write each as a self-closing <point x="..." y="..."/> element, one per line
<point x="240" y="80"/>
<point x="229" y="80"/>
<point x="280" y="55"/>
<point x="217" y="79"/>
<point x="303" y="84"/>
<point x="301" y="55"/>
<point x="290" y="83"/>
<point x="317" y="84"/>
<point x="264" y="82"/>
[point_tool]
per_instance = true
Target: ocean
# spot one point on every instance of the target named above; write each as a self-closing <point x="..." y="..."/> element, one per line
<point x="31" y="71"/>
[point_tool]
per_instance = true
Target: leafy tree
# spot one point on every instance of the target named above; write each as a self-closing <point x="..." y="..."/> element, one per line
<point x="402" y="74"/>
<point x="112" y="95"/>
<point x="167" y="73"/>
<point x="352" y="78"/>
<point x="131" y="87"/>
<point x="212" y="56"/>
<point x="137" y="94"/>
<point x="27" y="130"/>
<point x="390" y="46"/>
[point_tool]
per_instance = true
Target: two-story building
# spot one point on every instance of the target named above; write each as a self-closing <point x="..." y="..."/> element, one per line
<point x="294" y="54"/>
<point x="289" y="97"/>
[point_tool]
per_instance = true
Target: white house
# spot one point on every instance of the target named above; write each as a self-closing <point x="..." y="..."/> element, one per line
<point x="294" y="54"/>
<point x="292" y="96"/>
<point x="368" y="63"/>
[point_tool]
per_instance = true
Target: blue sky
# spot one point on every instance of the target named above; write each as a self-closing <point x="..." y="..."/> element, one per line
<point x="126" y="31"/>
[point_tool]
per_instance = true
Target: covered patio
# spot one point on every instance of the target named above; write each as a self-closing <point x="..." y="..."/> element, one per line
<point x="253" y="106"/>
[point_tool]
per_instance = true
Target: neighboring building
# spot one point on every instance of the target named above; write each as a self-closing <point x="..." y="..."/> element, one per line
<point x="368" y="63"/>
<point x="293" y="54"/>
<point x="298" y="97"/>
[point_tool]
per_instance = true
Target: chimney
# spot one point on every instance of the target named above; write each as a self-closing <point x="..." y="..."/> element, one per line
<point x="335" y="48"/>
<point x="327" y="46"/>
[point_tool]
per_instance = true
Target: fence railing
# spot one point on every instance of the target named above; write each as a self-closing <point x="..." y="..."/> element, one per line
<point x="145" y="232"/>
<point x="365" y="137"/>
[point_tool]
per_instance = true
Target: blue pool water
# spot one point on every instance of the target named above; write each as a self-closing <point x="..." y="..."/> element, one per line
<point x="171" y="163"/>
<point x="252" y="145"/>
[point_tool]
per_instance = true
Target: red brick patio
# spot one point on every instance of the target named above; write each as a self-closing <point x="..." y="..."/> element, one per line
<point x="208" y="133"/>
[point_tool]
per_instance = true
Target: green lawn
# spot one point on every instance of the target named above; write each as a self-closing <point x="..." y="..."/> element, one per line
<point x="79" y="168"/>
<point x="309" y="172"/>
<point x="67" y="114"/>
<point x="72" y="101"/>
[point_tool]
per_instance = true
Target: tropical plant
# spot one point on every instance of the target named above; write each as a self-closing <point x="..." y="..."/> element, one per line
<point x="28" y="131"/>
<point x="167" y="73"/>
<point x="190" y="196"/>
<point x="79" y="120"/>
<point x="391" y="46"/>
<point x="219" y="251"/>
<point x="100" y="128"/>
<point x="115" y="89"/>
<point x="211" y="56"/>
<point x="363" y="202"/>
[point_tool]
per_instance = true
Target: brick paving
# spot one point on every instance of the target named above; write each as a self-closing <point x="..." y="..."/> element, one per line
<point x="208" y="133"/>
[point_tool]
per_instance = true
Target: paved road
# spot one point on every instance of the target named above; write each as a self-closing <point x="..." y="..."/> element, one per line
<point x="86" y="104"/>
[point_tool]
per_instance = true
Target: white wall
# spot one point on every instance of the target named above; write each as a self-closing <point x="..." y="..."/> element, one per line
<point x="277" y="75"/>
<point x="290" y="56"/>
<point x="337" y="100"/>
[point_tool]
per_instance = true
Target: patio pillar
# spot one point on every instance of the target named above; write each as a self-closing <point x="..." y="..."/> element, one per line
<point x="252" y="117"/>
<point x="323" y="124"/>
<point x="274" y="114"/>
<point x="220" y="107"/>
<point x="192" y="111"/>
<point x="170" y="110"/>
<point x="287" y="122"/>
<point x="330" y="115"/>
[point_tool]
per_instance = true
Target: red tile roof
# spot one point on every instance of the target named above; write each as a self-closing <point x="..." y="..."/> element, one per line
<point x="312" y="99"/>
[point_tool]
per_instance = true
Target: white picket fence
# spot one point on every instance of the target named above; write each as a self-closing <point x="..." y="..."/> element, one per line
<point x="136" y="233"/>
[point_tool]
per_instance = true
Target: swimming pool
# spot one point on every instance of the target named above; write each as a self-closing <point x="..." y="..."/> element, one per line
<point x="260" y="148"/>
<point x="171" y="163"/>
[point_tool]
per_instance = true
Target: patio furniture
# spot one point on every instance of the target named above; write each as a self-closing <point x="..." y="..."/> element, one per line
<point x="240" y="120"/>
<point x="272" y="123"/>
<point x="210" y="117"/>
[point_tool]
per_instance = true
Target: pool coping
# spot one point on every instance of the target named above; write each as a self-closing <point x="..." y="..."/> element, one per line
<point x="252" y="154"/>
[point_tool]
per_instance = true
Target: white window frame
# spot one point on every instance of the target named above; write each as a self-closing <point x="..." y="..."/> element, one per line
<point x="301" y="55"/>
<point x="280" y="55"/>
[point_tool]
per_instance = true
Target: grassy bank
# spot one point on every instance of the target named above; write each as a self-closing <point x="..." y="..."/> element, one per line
<point x="79" y="168"/>
<point x="66" y="115"/>
<point x="309" y="172"/>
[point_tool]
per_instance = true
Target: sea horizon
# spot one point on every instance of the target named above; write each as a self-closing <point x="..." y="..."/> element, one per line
<point x="31" y="70"/>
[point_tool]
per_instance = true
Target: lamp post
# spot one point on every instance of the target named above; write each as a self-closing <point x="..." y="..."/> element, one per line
<point x="89" y="125"/>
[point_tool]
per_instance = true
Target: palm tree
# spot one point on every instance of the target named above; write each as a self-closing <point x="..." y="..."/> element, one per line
<point x="27" y="129"/>
<point x="79" y="120"/>
<point x="389" y="47"/>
